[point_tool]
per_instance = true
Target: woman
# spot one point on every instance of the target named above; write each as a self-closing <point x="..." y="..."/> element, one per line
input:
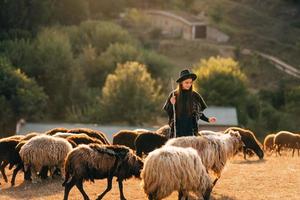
<point x="189" y="106"/>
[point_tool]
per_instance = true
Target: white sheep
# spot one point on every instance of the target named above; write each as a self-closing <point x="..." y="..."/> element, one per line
<point x="44" y="150"/>
<point x="214" y="149"/>
<point x="171" y="169"/>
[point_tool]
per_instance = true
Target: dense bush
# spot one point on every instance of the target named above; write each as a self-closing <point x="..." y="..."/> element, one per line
<point x="130" y="95"/>
<point x="20" y="97"/>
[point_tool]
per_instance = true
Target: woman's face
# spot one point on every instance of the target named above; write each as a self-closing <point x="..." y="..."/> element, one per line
<point x="187" y="83"/>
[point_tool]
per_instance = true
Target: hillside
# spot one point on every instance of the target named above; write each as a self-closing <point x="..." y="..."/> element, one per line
<point x="267" y="26"/>
<point x="270" y="27"/>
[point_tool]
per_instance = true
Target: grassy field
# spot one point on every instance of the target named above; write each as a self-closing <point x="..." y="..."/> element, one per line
<point x="273" y="178"/>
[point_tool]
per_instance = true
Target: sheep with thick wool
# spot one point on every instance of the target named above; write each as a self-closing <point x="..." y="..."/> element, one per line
<point x="214" y="150"/>
<point x="42" y="151"/>
<point x="94" y="161"/>
<point x="173" y="168"/>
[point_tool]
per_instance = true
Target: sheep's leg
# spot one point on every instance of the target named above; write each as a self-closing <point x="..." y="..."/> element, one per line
<point x="182" y="195"/>
<point x="68" y="187"/>
<point x="122" y="197"/>
<point x="34" y="170"/>
<point x="244" y="152"/>
<point x="278" y="150"/>
<point x="109" y="186"/>
<point x="151" y="196"/>
<point x="13" y="178"/>
<point x="139" y="152"/>
<point x="44" y="172"/>
<point x="2" y="168"/>
<point x="80" y="188"/>
<point x="215" y="181"/>
<point x="293" y="152"/>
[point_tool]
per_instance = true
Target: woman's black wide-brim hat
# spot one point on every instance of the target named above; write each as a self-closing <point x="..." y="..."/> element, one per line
<point x="185" y="74"/>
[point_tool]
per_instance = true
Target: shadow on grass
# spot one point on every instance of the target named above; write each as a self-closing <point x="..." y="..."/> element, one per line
<point x="221" y="197"/>
<point x="27" y="189"/>
<point x="249" y="161"/>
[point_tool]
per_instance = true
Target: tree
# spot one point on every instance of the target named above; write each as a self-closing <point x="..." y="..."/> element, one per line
<point x="221" y="83"/>
<point x="20" y="96"/>
<point x="71" y="12"/>
<point x="99" y="35"/>
<point x="130" y="95"/>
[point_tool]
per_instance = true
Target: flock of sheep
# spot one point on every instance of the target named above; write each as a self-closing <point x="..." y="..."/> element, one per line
<point x="165" y="164"/>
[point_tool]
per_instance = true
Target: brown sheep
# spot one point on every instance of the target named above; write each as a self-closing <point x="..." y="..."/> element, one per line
<point x="89" y="162"/>
<point x="92" y="133"/>
<point x="28" y="136"/>
<point x="82" y="139"/>
<point x="249" y="141"/>
<point x="55" y="130"/>
<point x="126" y="138"/>
<point x="269" y="142"/>
<point x="286" y="139"/>
<point x="165" y="130"/>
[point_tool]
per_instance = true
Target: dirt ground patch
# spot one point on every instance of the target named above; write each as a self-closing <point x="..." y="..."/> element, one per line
<point x="273" y="178"/>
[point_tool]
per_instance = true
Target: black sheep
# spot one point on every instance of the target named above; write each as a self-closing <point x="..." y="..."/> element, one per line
<point x="89" y="162"/>
<point x="9" y="154"/>
<point x="126" y="138"/>
<point x="148" y="141"/>
<point x="249" y="141"/>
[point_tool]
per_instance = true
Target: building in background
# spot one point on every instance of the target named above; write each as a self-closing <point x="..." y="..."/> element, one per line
<point x="226" y="117"/>
<point x="182" y="25"/>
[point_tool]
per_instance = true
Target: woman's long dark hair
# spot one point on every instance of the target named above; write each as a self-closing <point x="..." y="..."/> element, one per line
<point x="184" y="106"/>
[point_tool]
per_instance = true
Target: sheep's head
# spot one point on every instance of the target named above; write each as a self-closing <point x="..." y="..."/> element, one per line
<point x="136" y="164"/>
<point x="238" y="143"/>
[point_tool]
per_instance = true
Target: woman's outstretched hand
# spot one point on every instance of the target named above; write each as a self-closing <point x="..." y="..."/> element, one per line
<point x="212" y="120"/>
<point x="173" y="100"/>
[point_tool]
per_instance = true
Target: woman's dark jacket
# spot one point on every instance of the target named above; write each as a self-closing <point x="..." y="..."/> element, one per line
<point x="186" y="125"/>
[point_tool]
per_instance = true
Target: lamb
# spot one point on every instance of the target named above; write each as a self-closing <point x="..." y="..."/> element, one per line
<point x="269" y="142"/>
<point x="148" y="141"/>
<point x="92" y="133"/>
<point x="174" y="168"/>
<point x="286" y="139"/>
<point x="126" y="138"/>
<point x="44" y="150"/>
<point x="213" y="150"/>
<point x="249" y="140"/>
<point x="94" y="161"/>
